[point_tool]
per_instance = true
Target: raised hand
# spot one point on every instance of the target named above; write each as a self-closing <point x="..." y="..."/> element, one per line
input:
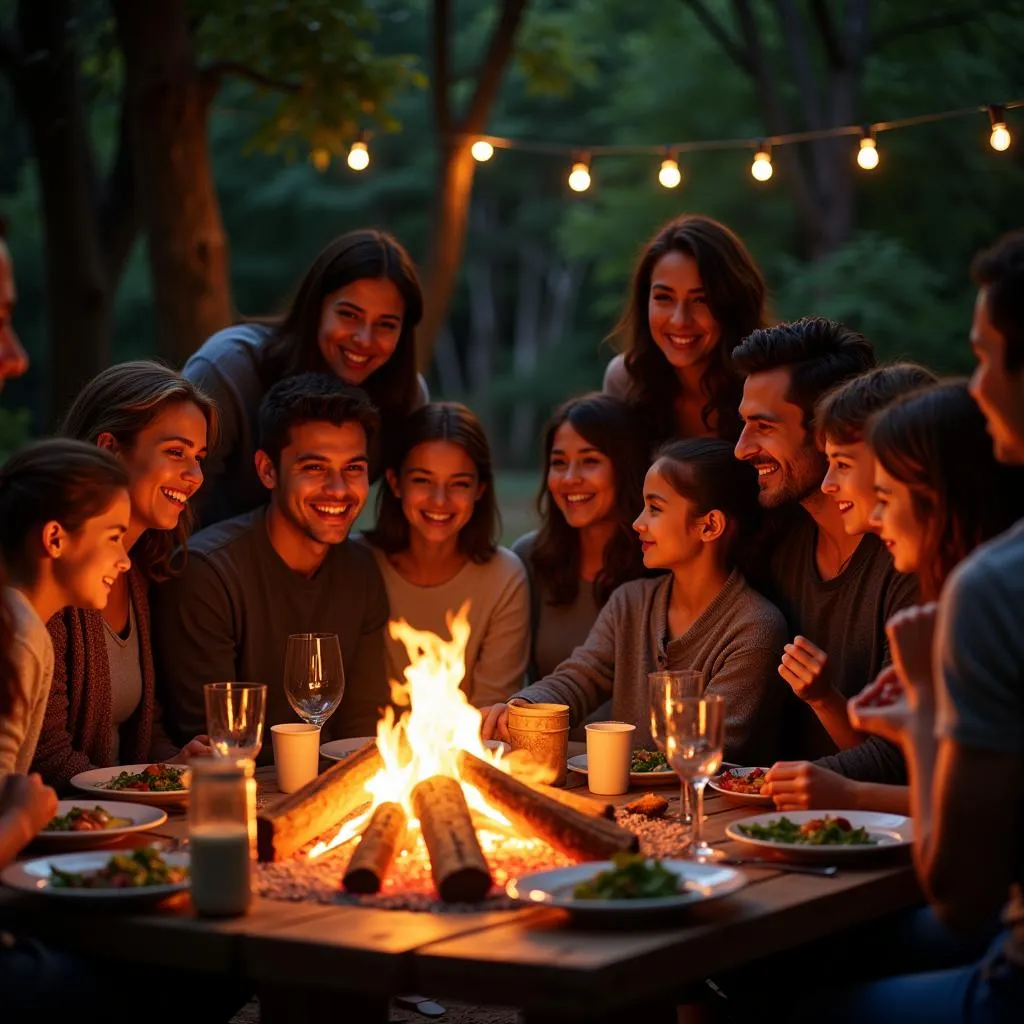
<point x="198" y="746"/>
<point x="803" y="665"/>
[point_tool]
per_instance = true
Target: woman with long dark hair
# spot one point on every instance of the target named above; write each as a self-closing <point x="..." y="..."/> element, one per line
<point x="436" y="542"/>
<point x="354" y="315"/>
<point x="595" y="458"/>
<point x="103" y="708"/>
<point x="696" y="294"/>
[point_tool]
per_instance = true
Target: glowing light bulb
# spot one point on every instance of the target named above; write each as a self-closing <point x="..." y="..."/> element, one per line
<point x="669" y="176"/>
<point x="482" y="150"/>
<point x="321" y="159"/>
<point x="867" y="155"/>
<point x="358" y="156"/>
<point x="1000" y="138"/>
<point x="579" y="177"/>
<point x="761" y="168"/>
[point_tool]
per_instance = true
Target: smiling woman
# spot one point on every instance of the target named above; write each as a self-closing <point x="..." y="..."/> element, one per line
<point x="354" y="314"/>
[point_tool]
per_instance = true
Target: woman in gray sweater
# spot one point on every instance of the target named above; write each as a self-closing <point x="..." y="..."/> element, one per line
<point x="700" y="507"/>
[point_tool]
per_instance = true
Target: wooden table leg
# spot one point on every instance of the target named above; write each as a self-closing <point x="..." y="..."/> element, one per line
<point x="285" y="1004"/>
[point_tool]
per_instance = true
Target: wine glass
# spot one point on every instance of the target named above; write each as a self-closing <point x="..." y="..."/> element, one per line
<point x="664" y="688"/>
<point x="235" y="713"/>
<point x="695" y="736"/>
<point x="314" y="676"/>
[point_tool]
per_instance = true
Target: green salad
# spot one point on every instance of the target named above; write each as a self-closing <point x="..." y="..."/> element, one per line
<point x="634" y="877"/>
<point x="824" y="831"/>
<point x="142" y="867"/>
<point x="648" y="761"/>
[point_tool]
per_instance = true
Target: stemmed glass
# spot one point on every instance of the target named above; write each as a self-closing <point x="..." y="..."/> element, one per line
<point x="314" y="676"/>
<point x="235" y="713"/>
<point x="695" y="728"/>
<point x="664" y="688"/>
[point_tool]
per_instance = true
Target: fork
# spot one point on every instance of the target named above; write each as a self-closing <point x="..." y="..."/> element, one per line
<point x="822" y="870"/>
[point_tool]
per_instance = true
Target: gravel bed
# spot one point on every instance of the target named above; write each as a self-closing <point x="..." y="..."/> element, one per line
<point x="659" y="837"/>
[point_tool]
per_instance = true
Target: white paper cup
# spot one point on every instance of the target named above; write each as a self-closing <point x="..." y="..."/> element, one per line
<point x="609" y="749"/>
<point x="296" y="754"/>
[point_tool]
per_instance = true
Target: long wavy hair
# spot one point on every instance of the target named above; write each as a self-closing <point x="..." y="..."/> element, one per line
<point x="293" y="345"/>
<point x="123" y="400"/>
<point x="737" y="298"/>
<point x="934" y="441"/>
<point x="614" y="430"/>
<point x="441" y="421"/>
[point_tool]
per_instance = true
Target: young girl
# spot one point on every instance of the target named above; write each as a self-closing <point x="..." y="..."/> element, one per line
<point x="594" y="463"/>
<point x="354" y="315"/>
<point x="940" y="493"/>
<point x="102" y="708"/>
<point x="696" y="294"/>
<point x="64" y="512"/>
<point x="436" y="544"/>
<point x="700" y="505"/>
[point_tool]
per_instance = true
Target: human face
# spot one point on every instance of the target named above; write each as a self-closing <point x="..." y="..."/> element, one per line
<point x="165" y="465"/>
<point x="850" y="483"/>
<point x="668" y="526"/>
<point x="360" y="325"/>
<point x="581" y="479"/>
<point x="321" y="481"/>
<point x="998" y="392"/>
<point x="438" y="487"/>
<point x="89" y="559"/>
<point x="789" y="465"/>
<point x="677" y="312"/>
<point x="896" y="521"/>
<point x="13" y="359"/>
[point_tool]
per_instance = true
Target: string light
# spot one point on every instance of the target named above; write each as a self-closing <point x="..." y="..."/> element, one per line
<point x="320" y="159"/>
<point x="579" y="176"/>
<point x="761" y="169"/>
<point x="482" y="151"/>
<point x="359" y="154"/>
<point x="670" y="176"/>
<point x="867" y="155"/>
<point x="1000" y="138"/>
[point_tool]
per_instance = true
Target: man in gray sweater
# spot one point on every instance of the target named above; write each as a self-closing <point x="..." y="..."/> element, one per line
<point x="836" y="590"/>
<point x="288" y="567"/>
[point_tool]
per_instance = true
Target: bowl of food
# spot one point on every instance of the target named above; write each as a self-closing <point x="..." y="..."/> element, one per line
<point x="742" y="785"/>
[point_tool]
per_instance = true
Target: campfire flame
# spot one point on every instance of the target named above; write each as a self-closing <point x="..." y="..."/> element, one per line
<point x="435" y="724"/>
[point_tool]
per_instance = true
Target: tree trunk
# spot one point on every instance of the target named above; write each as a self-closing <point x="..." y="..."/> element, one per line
<point x="48" y="91"/>
<point x="168" y="105"/>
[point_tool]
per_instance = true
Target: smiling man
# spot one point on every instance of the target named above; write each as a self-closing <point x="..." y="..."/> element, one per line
<point x="288" y="567"/>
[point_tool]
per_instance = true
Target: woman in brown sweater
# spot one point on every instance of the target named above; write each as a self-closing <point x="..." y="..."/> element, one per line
<point x="102" y="708"/>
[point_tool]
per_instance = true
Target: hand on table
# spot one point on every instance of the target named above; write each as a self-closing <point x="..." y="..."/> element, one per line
<point x="803" y="665"/>
<point x="27" y="799"/>
<point x="800" y="786"/>
<point x="198" y="746"/>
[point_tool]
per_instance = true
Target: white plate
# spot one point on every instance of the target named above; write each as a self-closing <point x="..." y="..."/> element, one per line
<point x="142" y="818"/>
<point x="743" y="798"/>
<point x="890" y="831"/>
<point x="555" y="889"/>
<point x="34" y="876"/>
<point x="579" y="764"/>
<point x="93" y="781"/>
<point x="338" y="750"/>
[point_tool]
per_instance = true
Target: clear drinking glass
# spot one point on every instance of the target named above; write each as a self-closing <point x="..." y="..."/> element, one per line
<point x="235" y="713"/>
<point x="695" y="728"/>
<point x="664" y="688"/>
<point x="314" y="677"/>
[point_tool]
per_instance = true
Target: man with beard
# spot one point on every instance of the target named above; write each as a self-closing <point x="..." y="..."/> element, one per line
<point x="835" y="590"/>
<point x="286" y="568"/>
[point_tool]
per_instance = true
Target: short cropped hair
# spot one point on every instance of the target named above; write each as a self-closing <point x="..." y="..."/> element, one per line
<point x="842" y="414"/>
<point x="312" y="398"/>
<point x="1000" y="271"/>
<point x="819" y="354"/>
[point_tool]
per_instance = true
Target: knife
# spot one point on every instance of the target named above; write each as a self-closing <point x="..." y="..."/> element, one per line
<point x="823" y="870"/>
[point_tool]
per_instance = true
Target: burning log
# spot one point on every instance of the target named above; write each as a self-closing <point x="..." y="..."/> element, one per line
<point x="592" y="808"/>
<point x="457" y="863"/>
<point x="573" y="833"/>
<point x="376" y="850"/>
<point x="288" y="824"/>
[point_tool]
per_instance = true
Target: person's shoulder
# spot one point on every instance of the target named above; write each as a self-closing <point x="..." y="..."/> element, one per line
<point x="522" y="547"/>
<point x="505" y="565"/>
<point x="997" y="566"/>
<point x="29" y="628"/>
<point x="616" y="377"/>
<point x="422" y="392"/>
<point x="357" y="555"/>
<point x="758" y="608"/>
<point x="223" y="541"/>
<point x="636" y="593"/>
<point x="233" y="346"/>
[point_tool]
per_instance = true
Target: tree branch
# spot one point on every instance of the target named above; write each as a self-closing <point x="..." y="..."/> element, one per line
<point x="118" y="208"/>
<point x="499" y="51"/>
<point x="798" y="46"/>
<point x="213" y="74"/>
<point x="730" y="47"/>
<point x="829" y="37"/>
<point x="442" y="68"/>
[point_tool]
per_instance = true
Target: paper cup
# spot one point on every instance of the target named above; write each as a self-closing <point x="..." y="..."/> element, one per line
<point x="543" y="731"/>
<point x="609" y="748"/>
<point x="296" y="754"/>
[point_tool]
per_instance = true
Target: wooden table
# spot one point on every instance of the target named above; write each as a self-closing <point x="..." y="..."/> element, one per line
<point x="309" y="961"/>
